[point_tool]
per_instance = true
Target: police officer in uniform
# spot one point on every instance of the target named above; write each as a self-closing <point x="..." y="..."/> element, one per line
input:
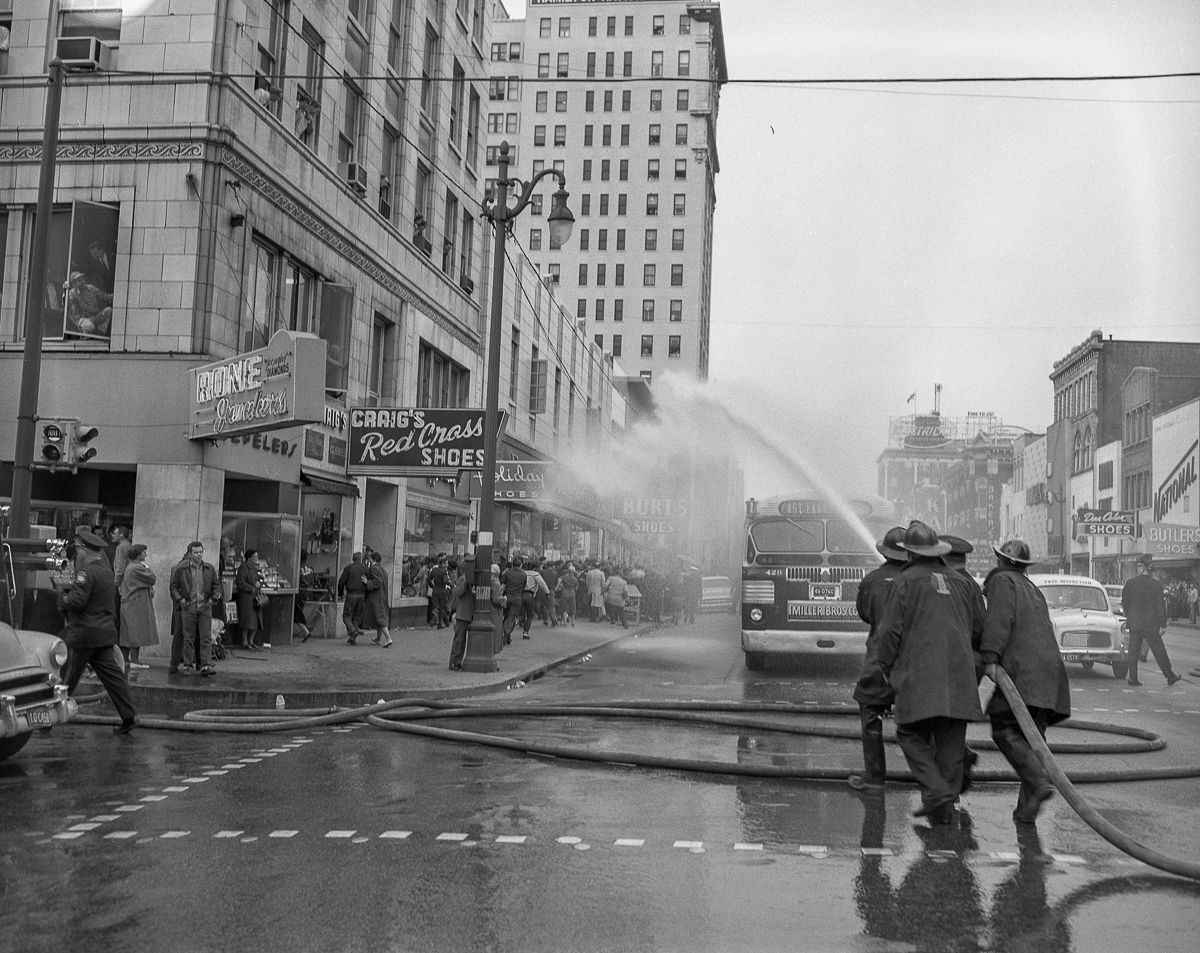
<point x="872" y="692"/>
<point x="1142" y="601"/>
<point x="91" y="630"/>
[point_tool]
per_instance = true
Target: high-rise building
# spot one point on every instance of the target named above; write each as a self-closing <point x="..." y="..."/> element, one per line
<point x="622" y="97"/>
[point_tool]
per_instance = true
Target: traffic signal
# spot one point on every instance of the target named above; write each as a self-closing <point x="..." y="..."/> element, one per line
<point x="80" y="451"/>
<point x="57" y="434"/>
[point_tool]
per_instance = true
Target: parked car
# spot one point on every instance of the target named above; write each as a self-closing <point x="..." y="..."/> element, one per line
<point x="716" y="594"/>
<point x="1085" y="626"/>
<point x="32" y="696"/>
<point x="1114" y="599"/>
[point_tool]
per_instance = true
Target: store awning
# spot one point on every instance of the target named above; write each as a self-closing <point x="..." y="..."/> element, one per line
<point x="574" y="516"/>
<point x="329" y="486"/>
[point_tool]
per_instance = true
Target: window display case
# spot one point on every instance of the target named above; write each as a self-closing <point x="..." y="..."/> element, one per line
<point x="276" y="537"/>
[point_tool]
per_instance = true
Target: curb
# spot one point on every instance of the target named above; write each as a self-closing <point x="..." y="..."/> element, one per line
<point x="187" y="698"/>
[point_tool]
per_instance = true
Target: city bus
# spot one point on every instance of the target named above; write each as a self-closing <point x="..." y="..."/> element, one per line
<point x="804" y="559"/>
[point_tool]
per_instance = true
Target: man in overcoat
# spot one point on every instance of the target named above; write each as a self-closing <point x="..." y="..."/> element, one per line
<point x="1018" y="636"/>
<point x="195" y="588"/>
<point x="1146" y="612"/>
<point x="91" y="631"/>
<point x="872" y="692"/>
<point x="927" y="640"/>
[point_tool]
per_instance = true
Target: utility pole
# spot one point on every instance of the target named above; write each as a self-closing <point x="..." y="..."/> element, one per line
<point x="31" y="368"/>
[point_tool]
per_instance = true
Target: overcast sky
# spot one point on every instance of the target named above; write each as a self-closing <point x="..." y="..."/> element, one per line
<point x="874" y="241"/>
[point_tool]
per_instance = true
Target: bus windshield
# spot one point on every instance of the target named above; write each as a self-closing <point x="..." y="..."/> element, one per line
<point x="842" y="538"/>
<point x="788" y="536"/>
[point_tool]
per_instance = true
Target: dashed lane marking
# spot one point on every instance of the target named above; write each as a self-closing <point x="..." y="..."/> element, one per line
<point x="395" y="835"/>
<point x="747" y="846"/>
<point x="452" y="836"/>
<point x="283" y="833"/>
<point x="221" y="834"/>
<point x="174" y="835"/>
<point x="689" y="844"/>
<point x="629" y="842"/>
<point x="511" y="839"/>
<point x="342" y="834"/>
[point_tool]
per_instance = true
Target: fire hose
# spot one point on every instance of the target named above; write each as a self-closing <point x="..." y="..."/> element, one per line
<point x="406" y="715"/>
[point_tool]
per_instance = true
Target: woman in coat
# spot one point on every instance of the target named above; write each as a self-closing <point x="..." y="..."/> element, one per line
<point x="568" y="584"/>
<point x="377" y="611"/>
<point x="247" y="584"/>
<point x="138" y="625"/>
<point x="615" y="591"/>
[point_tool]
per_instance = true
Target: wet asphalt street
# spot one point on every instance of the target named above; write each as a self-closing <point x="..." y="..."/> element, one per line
<point x="356" y="839"/>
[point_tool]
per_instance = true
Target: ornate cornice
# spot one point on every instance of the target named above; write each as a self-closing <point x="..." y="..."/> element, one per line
<point x="352" y="251"/>
<point x="93" y="151"/>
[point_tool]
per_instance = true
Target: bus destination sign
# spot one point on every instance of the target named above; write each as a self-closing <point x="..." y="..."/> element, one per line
<point x="804" y="508"/>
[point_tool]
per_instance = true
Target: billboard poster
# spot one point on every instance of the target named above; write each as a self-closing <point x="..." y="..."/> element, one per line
<point x="415" y="441"/>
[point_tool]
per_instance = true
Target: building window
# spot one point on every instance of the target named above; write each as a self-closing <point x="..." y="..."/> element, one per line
<point x="629" y="26"/>
<point x="599" y="339"/>
<point x="1104" y="476"/>
<point x="429" y="74"/>
<point x="602" y="240"/>
<point x="648" y="273"/>
<point x="610" y="61"/>
<point x="657" y="25"/>
<point x="381" y="373"/>
<point x="81" y="262"/>
<point x="619" y="275"/>
<point x="622" y="203"/>
<point x="560" y="101"/>
<point x="677" y="239"/>
<point x="647" y="345"/>
<point x="473" y="112"/>
<point x="592" y="26"/>
<point x="564" y="26"/>
<point x="676" y="309"/>
<point x="543" y="66"/>
<point x="539" y="135"/>
<point x="389" y="173"/>
<point x="591" y="65"/>
<point x="601" y="274"/>
<point x="677" y="276"/>
<point x="685" y="63"/>
<point x="605" y="169"/>
<point x="679" y="204"/>
<point x="608" y="100"/>
<point x="627" y="64"/>
<point x="589" y="101"/>
<point x="656" y="100"/>
<point x="673" y="345"/>
<point x="647" y="309"/>
<point x="584" y="239"/>
<point x="656" y="63"/>
<point x="616" y="345"/>
<point x="606" y="135"/>
<point x="81" y="18"/>
<point x="544" y="27"/>
<point x="349" y="134"/>
<point x="681" y="134"/>
<point x="541" y="101"/>
<point x="680" y="169"/>
<point x="308" y="89"/>
<point x="563" y="65"/>
<point x="440" y="381"/>
<point x="610" y="26"/>
<point x="583" y="274"/>
<point x="652" y="203"/>
<point x="599" y="309"/>
<point x="685" y="24"/>
<point x="652" y="170"/>
<point x="681" y="100"/>
<point x="652" y="239"/>
<point x="581" y="308"/>
<point x="458" y="87"/>
<point x="655" y="134"/>
<point x="623" y="170"/>
<point x="619" y="310"/>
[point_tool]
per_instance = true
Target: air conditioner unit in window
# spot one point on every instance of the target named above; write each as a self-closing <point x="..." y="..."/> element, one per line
<point x="424" y="244"/>
<point x="466" y="284"/>
<point x="82" y="52"/>
<point x="356" y="178"/>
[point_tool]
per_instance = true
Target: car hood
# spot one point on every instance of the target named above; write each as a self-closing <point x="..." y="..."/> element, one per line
<point x="1082" y="618"/>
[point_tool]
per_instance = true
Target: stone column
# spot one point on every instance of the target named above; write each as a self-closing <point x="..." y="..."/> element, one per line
<point x="175" y="504"/>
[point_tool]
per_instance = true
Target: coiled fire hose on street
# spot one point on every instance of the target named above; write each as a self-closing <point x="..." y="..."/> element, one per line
<point x="406" y="715"/>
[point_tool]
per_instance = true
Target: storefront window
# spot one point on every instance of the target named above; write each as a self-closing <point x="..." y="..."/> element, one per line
<point x="428" y="533"/>
<point x="277" y="539"/>
<point x="322" y="534"/>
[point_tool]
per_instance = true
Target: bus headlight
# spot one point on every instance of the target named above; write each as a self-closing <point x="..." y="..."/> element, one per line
<point x="756" y="615"/>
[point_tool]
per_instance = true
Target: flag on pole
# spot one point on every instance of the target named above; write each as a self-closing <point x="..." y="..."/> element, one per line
<point x="911" y="397"/>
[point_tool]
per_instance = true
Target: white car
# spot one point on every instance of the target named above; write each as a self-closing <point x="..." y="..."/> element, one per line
<point x="1086" y="627"/>
<point x="32" y="697"/>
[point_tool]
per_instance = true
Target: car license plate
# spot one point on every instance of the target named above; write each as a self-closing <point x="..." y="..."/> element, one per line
<point x="38" y="718"/>
<point x="825" y="590"/>
<point x="1072" y="657"/>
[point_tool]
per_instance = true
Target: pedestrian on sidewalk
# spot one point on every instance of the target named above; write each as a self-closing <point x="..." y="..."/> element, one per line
<point x="247" y="585"/>
<point x="616" y="589"/>
<point x="378" y="608"/>
<point x="535" y="590"/>
<point x="1018" y="636"/>
<point x="513" y="580"/>
<point x="463" y="599"/>
<point x="439" y="594"/>
<point x="548" y="610"/>
<point x="595" y="588"/>
<point x="138" y="625"/>
<point x="91" y="630"/>
<point x="195" y="586"/>
<point x="1193" y="602"/>
<point x="1146" y="616"/>
<point x="352" y="589"/>
<point x="568" y="584"/>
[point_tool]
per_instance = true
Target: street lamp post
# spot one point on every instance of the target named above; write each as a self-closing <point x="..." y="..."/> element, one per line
<point x="31" y="366"/>
<point x="480" y="652"/>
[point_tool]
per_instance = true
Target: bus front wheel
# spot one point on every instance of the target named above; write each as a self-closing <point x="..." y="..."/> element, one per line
<point x="756" y="661"/>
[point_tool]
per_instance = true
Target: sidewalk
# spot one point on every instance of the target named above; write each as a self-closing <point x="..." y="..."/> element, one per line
<point x="321" y="673"/>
